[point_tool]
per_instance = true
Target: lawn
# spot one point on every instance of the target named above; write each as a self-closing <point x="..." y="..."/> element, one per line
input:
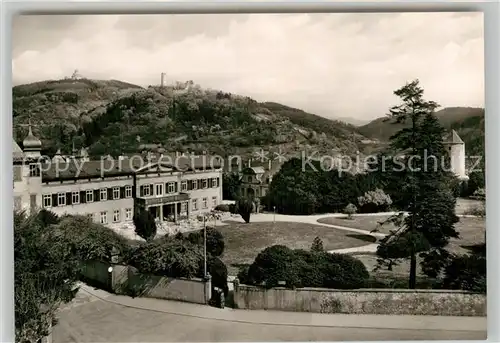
<point x="244" y="241"/>
<point x="471" y="229"/>
<point x="471" y="233"/>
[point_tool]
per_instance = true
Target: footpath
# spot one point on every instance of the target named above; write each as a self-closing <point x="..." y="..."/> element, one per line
<point x="277" y="318"/>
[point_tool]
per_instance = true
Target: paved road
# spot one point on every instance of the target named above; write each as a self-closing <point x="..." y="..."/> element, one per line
<point x="102" y="317"/>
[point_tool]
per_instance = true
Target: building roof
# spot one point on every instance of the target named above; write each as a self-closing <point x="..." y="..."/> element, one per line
<point x="17" y="152"/>
<point x="31" y="142"/>
<point x="453" y="138"/>
<point x="255" y="170"/>
<point x="128" y="166"/>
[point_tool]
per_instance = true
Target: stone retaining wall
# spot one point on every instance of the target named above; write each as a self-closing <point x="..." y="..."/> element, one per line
<point x="123" y="279"/>
<point x="362" y="301"/>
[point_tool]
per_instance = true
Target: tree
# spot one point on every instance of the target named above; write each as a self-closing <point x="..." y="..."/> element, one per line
<point x="426" y="196"/>
<point x="244" y="208"/>
<point x="46" y="271"/>
<point x="231" y="185"/>
<point x="295" y="190"/>
<point x="317" y="245"/>
<point x="48" y="217"/>
<point x="350" y="210"/>
<point x="145" y="225"/>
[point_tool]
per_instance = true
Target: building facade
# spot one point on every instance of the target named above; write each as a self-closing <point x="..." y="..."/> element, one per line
<point x="256" y="179"/>
<point x="110" y="191"/>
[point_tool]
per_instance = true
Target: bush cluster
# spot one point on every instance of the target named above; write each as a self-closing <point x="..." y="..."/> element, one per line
<point x="374" y="201"/>
<point x="315" y="190"/>
<point x="90" y="240"/>
<point x="182" y="256"/>
<point x="222" y="208"/>
<point x="467" y="272"/>
<point x="281" y="266"/>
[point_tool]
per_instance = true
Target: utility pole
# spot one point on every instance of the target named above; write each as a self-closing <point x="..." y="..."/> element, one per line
<point x="204" y="247"/>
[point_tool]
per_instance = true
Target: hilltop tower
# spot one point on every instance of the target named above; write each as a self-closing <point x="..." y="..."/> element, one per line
<point x="456" y="149"/>
<point x="162" y="82"/>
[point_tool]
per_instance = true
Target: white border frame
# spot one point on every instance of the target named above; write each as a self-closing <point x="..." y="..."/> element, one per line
<point x="491" y="11"/>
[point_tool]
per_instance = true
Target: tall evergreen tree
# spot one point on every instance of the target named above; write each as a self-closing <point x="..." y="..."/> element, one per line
<point x="426" y="196"/>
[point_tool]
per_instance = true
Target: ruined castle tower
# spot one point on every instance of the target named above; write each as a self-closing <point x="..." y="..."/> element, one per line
<point x="456" y="148"/>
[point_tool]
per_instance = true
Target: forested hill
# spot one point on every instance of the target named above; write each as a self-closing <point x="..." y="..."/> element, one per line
<point x="467" y="121"/>
<point x="117" y="117"/>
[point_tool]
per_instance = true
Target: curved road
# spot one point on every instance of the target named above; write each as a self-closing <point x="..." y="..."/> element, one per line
<point x="97" y="316"/>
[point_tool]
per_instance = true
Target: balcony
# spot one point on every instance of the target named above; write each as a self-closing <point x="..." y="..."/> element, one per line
<point x="164" y="200"/>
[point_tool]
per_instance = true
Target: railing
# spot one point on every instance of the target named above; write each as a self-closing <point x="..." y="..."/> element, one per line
<point x="163" y="200"/>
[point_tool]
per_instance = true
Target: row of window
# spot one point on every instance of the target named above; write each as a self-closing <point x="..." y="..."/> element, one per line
<point x="204" y="203"/>
<point x="103" y="216"/>
<point x="87" y="196"/>
<point x="160" y="189"/>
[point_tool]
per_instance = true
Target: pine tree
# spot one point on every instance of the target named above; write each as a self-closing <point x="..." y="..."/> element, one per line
<point x="317" y="245"/>
<point x="426" y="196"/>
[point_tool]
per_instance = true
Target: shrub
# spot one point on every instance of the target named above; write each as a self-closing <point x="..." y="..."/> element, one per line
<point x="274" y="265"/>
<point x="218" y="272"/>
<point x="215" y="240"/>
<point x="243" y="275"/>
<point x="479" y="211"/>
<point x="479" y="194"/>
<point x="374" y="201"/>
<point x="91" y="241"/>
<point x="47" y="217"/>
<point x="222" y="208"/>
<point x="467" y="272"/>
<point x="350" y="210"/>
<point x="317" y="245"/>
<point x="244" y="207"/>
<point x="145" y="225"/>
<point x="168" y="257"/>
<point x="300" y="268"/>
<point x="343" y="271"/>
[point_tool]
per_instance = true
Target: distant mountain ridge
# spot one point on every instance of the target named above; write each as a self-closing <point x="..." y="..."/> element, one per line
<point x="113" y="117"/>
<point x="467" y="121"/>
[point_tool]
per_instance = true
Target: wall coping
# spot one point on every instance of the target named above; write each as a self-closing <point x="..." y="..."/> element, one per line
<point x="165" y="276"/>
<point x="365" y="290"/>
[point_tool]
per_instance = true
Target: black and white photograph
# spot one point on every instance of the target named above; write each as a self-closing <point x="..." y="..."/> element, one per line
<point x="249" y="177"/>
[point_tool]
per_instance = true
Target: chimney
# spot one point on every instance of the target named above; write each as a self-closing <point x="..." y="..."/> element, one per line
<point x="177" y="154"/>
<point x="249" y="163"/>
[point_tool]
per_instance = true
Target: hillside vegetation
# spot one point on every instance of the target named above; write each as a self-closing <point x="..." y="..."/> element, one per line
<point x="113" y="117"/>
<point x="467" y="121"/>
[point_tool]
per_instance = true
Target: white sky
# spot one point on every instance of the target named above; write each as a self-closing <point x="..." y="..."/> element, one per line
<point x="335" y="65"/>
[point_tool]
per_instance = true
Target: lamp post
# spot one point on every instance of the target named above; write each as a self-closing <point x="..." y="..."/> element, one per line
<point x="204" y="247"/>
<point x="274" y="215"/>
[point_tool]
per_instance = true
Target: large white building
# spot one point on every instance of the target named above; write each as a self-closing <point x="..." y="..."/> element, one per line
<point x="171" y="187"/>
